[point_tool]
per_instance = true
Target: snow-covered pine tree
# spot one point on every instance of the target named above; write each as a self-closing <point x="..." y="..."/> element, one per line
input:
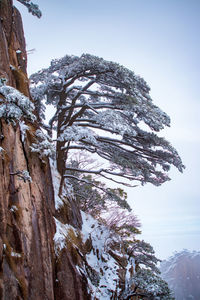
<point x="101" y="107"/>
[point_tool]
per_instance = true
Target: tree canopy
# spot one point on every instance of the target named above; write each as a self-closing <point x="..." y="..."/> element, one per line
<point x="104" y="109"/>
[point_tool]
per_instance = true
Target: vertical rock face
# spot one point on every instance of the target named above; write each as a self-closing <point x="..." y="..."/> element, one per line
<point x="26" y="223"/>
<point x="28" y="267"/>
<point x="12" y="47"/>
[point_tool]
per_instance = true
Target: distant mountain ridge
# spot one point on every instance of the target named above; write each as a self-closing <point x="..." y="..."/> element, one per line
<point x="182" y="272"/>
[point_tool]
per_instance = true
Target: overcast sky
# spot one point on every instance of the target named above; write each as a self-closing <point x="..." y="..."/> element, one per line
<point x="160" y="41"/>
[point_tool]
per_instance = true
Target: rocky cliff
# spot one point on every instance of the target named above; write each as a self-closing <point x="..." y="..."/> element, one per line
<point x="26" y="208"/>
<point x="28" y="264"/>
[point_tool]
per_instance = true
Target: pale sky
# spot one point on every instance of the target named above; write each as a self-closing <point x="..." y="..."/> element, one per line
<point x="160" y="41"/>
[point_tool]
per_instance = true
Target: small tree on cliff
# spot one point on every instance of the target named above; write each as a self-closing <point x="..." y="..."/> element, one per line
<point x="101" y="107"/>
<point x="145" y="280"/>
<point x="147" y="285"/>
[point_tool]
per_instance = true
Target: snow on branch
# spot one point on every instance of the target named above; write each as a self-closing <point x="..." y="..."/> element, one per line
<point x="22" y="175"/>
<point x="148" y="285"/>
<point x="43" y="145"/>
<point x="14" y="106"/>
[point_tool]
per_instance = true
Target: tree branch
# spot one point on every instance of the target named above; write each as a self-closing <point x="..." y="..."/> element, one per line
<point x="99" y="172"/>
<point x="68" y="118"/>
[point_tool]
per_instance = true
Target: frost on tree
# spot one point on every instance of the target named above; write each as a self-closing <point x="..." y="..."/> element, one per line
<point x="14" y="106"/>
<point x="106" y="110"/>
<point x="145" y="281"/>
<point x="148" y="286"/>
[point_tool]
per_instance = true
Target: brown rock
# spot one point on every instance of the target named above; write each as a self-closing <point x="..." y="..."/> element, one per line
<point x="28" y="267"/>
<point x="69" y="284"/>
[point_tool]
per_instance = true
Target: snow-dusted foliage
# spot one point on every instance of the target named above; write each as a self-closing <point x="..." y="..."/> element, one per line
<point x="144" y="255"/>
<point x="43" y="145"/>
<point x="144" y="281"/>
<point x="32" y="8"/>
<point x="14" y="106"/>
<point x="148" y="285"/>
<point x="101" y="108"/>
<point x="75" y="133"/>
